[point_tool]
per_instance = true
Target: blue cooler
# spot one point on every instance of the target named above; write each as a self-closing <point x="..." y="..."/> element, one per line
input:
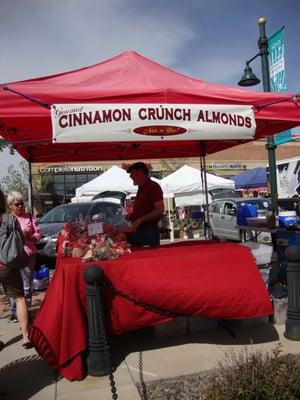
<point x="245" y="211"/>
<point x="41" y="278"/>
<point x="287" y="218"/>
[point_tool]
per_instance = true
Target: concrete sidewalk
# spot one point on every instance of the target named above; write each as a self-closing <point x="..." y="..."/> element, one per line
<point x="139" y="356"/>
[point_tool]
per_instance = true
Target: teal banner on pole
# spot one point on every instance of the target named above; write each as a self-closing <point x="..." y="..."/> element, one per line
<point x="286" y="136"/>
<point x="283" y="137"/>
<point x="276" y="62"/>
<point x="277" y="74"/>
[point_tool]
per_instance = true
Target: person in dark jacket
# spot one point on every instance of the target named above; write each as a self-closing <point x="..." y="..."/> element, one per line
<point x="148" y="207"/>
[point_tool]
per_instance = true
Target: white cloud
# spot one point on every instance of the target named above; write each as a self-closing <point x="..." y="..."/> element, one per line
<point x="49" y="37"/>
<point x="202" y="38"/>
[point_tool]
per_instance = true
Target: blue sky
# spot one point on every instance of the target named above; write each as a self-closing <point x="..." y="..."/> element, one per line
<point x="207" y="39"/>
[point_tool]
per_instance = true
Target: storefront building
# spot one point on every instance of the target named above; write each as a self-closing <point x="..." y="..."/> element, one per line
<point x="59" y="182"/>
<point x="62" y="179"/>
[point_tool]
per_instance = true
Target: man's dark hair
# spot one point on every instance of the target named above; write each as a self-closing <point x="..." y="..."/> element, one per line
<point x="138" y="165"/>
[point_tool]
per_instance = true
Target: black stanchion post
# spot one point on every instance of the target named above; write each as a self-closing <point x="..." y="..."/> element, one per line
<point x="96" y="360"/>
<point x="292" y="325"/>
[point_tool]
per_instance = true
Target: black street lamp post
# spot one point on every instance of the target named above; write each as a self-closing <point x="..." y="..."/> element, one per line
<point x="292" y="253"/>
<point x="250" y="79"/>
<point x="264" y="52"/>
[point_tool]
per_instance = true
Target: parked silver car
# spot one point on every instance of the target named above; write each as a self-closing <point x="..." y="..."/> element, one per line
<point x="223" y="218"/>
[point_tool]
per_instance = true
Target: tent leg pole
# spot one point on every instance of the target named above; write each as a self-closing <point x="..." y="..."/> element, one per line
<point x="203" y="168"/>
<point x="30" y="191"/>
<point x="271" y="147"/>
<point x="170" y="222"/>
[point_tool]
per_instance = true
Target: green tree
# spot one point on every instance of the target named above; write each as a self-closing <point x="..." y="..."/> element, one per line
<point x="4" y="145"/>
<point x="167" y="166"/>
<point x="16" y="179"/>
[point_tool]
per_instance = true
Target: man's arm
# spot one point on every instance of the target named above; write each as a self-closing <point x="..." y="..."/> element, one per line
<point x="158" y="211"/>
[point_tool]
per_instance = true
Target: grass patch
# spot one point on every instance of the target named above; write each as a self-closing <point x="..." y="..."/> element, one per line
<point x="254" y="376"/>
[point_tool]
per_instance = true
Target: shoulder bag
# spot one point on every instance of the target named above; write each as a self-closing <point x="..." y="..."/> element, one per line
<point x="12" y="253"/>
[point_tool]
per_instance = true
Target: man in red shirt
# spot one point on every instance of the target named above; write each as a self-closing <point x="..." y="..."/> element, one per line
<point x="148" y="207"/>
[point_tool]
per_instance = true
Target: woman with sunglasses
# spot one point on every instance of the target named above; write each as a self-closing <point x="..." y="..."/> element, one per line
<point x="32" y="234"/>
<point x="11" y="281"/>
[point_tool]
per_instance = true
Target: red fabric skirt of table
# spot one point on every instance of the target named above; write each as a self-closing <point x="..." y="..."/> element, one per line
<point x="208" y="279"/>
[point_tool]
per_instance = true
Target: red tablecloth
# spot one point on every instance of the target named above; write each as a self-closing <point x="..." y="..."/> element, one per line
<point x="214" y="280"/>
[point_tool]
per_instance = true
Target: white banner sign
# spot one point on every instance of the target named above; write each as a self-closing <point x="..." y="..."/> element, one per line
<point x="73" y="123"/>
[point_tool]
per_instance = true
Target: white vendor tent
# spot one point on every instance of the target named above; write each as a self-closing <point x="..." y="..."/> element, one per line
<point x="188" y="180"/>
<point x="191" y="199"/>
<point x="114" y="179"/>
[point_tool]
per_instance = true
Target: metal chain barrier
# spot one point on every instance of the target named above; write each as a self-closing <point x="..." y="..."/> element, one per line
<point x="102" y="327"/>
<point x="147" y="306"/>
<point x="106" y="351"/>
<point x="143" y="393"/>
<point x="151" y="307"/>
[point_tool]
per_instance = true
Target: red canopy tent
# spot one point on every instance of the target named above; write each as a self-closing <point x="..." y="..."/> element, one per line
<point x="25" y="121"/>
<point x="132" y="79"/>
